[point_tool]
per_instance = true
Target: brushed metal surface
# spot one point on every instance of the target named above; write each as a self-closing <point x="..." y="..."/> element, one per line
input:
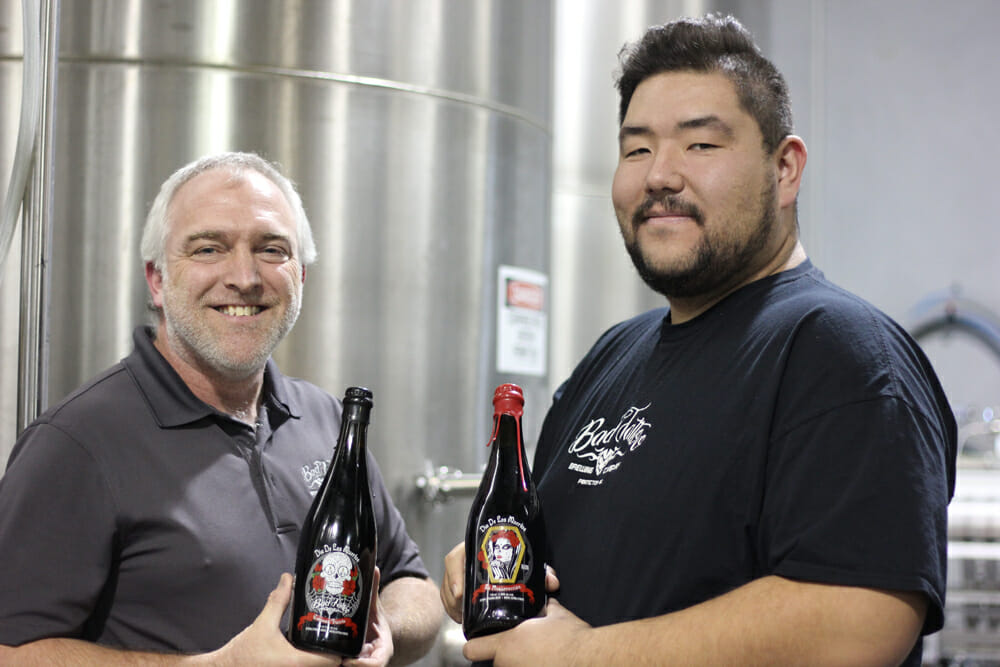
<point x="594" y="284"/>
<point x="418" y="134"/>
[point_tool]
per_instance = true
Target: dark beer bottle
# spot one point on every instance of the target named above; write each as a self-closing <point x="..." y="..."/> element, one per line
<point x="505" y="538"/>
<point x="336" y="554"/>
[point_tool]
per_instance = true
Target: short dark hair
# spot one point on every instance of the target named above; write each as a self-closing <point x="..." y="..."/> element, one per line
<point x="711" y="44"/>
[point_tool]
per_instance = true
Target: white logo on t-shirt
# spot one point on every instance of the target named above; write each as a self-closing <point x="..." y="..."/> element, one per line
<point x="314" y="473"/>
<point x="603" y="447"/>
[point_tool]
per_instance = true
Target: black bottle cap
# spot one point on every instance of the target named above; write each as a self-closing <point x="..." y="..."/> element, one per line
<point x="357" y="395"/>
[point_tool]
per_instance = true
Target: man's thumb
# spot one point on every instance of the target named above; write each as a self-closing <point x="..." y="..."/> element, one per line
<point x="277" y="601"/>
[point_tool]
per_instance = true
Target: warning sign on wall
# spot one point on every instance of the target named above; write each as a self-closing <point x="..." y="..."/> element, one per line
<point x="522" y="321"/>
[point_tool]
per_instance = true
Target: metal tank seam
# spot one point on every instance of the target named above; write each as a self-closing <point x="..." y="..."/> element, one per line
<point x="369" y="81"/>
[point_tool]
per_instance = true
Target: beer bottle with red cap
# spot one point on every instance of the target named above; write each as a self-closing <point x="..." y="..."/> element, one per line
<point x="335" y="563"/>
<point x="505" y="537"/>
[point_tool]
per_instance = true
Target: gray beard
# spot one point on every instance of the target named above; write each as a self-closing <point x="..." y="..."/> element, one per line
<point x="201" y="348"/>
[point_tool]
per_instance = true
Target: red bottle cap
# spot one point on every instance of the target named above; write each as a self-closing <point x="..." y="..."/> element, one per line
<point x="508" y="399"/>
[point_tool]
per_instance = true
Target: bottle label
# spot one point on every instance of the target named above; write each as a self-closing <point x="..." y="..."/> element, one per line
<point x="333" y="592"/>
<point x="505" y="560"/>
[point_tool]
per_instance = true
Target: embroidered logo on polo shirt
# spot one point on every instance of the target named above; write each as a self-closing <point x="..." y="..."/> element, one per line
<point x="314" y="473"/>
<point x="603" y="448"/>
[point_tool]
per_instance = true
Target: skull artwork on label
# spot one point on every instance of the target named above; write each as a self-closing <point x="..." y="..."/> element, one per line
<point x="334" y="583"/>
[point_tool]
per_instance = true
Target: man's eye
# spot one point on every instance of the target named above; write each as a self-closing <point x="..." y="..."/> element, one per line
<point x="207" y="250"/>
<point x="702" y="146"/>
<point x="274" y="252"/>
<point x="636" y="151"/>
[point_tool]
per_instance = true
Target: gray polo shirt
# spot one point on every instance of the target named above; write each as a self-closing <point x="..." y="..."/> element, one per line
<point x="134" y="515"/>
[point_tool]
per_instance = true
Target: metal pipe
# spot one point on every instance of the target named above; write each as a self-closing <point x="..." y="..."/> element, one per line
<point x="949" y="311"/>
<point x="36" y="235"/>
<point x="439" y="485"/>
<point x="27" y="132"/>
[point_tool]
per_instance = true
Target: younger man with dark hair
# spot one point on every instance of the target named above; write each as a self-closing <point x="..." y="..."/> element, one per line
<point x="768" y="460"/>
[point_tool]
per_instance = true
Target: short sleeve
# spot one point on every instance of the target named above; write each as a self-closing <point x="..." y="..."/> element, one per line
<point x="858" y="496"/>
<point x="57" y="528"/>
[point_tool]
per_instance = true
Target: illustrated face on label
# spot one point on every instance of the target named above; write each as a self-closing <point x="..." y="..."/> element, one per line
<point x="501" y="553"/>
<point x="334" y="580"/>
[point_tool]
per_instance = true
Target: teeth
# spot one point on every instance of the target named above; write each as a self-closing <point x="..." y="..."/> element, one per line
<point x="239" y="311"/>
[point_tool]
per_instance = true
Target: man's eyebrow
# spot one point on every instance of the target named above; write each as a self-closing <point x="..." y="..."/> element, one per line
<point x="712" y="122"/>
<point x="633" y="131"/>
<point x="275" y="236"/>
<point x="217" y="236"/>
<point x="201" y="236"/>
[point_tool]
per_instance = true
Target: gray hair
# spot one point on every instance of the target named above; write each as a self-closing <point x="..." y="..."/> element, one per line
<point x="154" y="235"/>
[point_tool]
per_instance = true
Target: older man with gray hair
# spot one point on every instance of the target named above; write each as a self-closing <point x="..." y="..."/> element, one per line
<point x="175" y="483"/>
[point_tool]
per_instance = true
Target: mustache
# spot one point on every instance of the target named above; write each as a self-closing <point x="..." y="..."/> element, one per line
<point x="672" y="204"/>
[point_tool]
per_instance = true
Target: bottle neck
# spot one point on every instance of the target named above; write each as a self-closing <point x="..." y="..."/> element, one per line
<point x="353" y="430"/>
<point x="356" y="412"/>
<point x="508" y="443"/>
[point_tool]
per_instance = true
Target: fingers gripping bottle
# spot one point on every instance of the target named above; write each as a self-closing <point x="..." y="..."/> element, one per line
<point x="505" y="536"/>
<point x="337" y="547"/>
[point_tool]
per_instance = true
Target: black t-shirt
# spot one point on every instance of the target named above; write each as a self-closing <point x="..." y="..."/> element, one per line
<point x="792" y="430"/>
<point x="134" y="515"/>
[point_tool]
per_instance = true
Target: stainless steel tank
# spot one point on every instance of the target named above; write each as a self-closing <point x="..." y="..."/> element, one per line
<point x="11" y="48"/>
<point x="594" y="284"/>
<point x="418" y="133"/>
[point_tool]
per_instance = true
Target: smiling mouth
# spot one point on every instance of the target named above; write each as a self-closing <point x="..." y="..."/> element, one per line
<point x="239" y="311"/>
<point x="668" y="209"/>
<point x="663" y="221"/>
<point x="667" y="216"/>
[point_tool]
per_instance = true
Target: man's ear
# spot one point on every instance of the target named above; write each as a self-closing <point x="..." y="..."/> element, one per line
<point x="154" y="278"/>
<point x="790" y="161"/>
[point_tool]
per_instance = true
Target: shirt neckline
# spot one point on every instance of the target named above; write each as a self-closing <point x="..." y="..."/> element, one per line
<point x="172" y="402"/>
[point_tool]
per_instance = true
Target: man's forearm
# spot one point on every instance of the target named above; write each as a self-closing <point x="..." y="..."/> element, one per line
<point x="60" y="652"/>
<point x="414" y="612"/>
<point x="771" y="621"/>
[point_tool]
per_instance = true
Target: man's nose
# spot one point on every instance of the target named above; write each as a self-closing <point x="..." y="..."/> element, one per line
<point x="242" y="271"/>
<point x="664" y="174"/>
